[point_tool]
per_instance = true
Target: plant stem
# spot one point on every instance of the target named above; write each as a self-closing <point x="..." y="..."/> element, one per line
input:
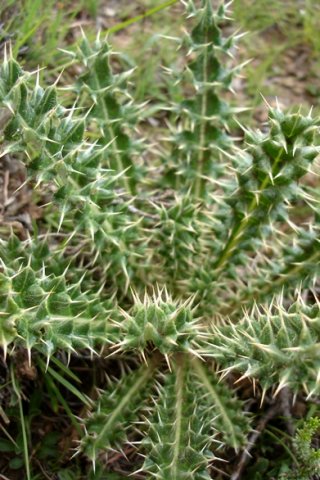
<point x="199" y="182"/>
<point x="240" y="227"/>
<point x="23" y="425"/>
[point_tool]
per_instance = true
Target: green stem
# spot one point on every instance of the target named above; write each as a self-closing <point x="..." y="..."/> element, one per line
<point x="216" y="401"/>
<point x="269" y="285"/>
<point x="52" y="386"/>
<point x="199" y="181"/>
<point x="23" y="424"/>
<point x="240" y="227"/>
<point x="135" y="388"/>
<point x="107" y="129"/>
<point x="282" y="276"/>
<point x="180" y="373"/>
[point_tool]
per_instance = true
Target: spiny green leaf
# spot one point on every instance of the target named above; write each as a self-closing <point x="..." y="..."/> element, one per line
<point x="179" y="435"/>
<point x="227" y="410"/>
<point x="117" y="407"/>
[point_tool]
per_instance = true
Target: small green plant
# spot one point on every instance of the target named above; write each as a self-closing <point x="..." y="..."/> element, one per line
<point x="308" y="458"/>
<point x="184" y="266"/>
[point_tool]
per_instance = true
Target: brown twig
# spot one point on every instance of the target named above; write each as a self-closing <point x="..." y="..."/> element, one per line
<point x="45" y="474"/>
<point x="286" y="406"/>
<point x="283" y="405"/>
<point x="245" y="456"/>
<point x="6" y="176"/>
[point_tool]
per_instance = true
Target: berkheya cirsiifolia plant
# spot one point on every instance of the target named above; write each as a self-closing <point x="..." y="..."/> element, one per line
<point x="193" y="265"/>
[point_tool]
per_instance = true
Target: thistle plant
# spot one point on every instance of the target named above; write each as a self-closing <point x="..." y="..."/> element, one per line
<point x="190" y="273"/>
